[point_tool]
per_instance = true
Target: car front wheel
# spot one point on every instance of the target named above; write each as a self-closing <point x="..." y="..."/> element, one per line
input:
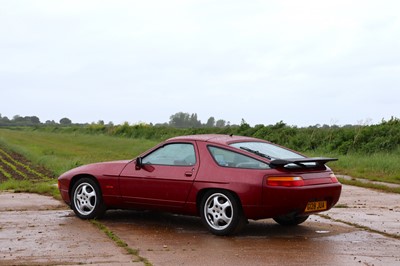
<point x="221" y="213"/>
<point x="86" y="199"/>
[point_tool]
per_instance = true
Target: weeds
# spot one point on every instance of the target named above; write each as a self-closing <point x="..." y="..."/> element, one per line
<point x="362" y="227"/>
<point x="370" y="185"/>
<point x="42" y="187"/>
<point x="119" y="242"/>
<point x="341" y="206"/>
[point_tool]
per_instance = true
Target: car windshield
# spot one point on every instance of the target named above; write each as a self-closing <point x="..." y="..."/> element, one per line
<point x="266" y="150"/>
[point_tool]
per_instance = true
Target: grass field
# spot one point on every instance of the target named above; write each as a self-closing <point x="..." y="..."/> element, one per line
<point x="383" y="167"/>
<point x="59" y="152"/>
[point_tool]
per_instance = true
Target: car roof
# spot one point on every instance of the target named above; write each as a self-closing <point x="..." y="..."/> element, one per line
<point x="214" y="138"/>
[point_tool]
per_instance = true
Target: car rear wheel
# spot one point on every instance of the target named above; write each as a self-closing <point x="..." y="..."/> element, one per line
<point x="87" y="201"/>
<point x="221" y="213"/>
<point x="290" y="220"/>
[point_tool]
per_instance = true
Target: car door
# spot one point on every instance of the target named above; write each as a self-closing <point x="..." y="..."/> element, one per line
<point x="164" y="179"/>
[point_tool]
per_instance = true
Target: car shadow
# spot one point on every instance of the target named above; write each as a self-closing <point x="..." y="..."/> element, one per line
<point x="160" y="221"/>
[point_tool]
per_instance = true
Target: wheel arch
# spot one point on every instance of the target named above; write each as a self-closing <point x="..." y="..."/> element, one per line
<point x="202" y="192"/>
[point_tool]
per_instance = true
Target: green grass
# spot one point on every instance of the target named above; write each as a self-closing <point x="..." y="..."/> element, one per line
<point x="45" y="187"/>
<point x="370" y="185"/>
<point x="61" y="152"/>
<point x="119" y="242"/>
<point x="384" y="167"/>
<point x="377" y="167"/>
<point x="5" y="173"/>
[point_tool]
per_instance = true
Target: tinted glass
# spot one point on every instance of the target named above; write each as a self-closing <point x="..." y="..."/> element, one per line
<point x="172" y="154"/>
<point x="233" y="159"/>
<point x="270" y="150"/>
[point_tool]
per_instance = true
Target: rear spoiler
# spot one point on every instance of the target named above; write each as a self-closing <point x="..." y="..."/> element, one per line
<point x="300" y="161"/>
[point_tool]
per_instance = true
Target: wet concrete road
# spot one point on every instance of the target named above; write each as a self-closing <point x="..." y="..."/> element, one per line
<point x="38" y="230"/>
<point x="166" y="239"/>
<point x="368" y="208"/>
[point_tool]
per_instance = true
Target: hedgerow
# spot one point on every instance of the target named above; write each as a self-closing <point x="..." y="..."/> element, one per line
<point x="363" y="139"/>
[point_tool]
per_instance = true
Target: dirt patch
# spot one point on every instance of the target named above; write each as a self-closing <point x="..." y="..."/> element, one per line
<point x="16" y="166"/>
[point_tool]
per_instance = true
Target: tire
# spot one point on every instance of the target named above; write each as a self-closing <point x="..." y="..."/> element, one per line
<point x="290" y="220"/>
<point x="87" y="201"/>
<point x="221" y="213"/>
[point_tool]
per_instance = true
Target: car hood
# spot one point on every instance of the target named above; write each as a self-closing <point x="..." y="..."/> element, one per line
<point x="112" y="168"/>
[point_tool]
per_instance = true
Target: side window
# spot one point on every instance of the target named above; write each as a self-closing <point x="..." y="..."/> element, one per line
<point x="236" y="160"/>
<point x="178" y="154"/>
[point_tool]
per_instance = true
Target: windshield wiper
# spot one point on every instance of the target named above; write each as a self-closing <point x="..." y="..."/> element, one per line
<point x="256" y="152"/>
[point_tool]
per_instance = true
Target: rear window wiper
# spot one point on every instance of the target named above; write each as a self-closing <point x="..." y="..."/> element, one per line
<point x="256" y="152"/>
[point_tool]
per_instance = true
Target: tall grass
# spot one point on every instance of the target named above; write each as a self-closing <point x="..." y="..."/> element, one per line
<point x="380" y="166"/>
<point x="61" y="152"/>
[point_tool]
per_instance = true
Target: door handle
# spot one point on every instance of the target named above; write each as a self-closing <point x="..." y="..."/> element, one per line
<point x="188" y="173"/>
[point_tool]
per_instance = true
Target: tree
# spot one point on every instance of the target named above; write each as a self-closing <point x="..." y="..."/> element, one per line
<point x="194" y="122"/>
<point x="244" y="126"/>
<point x="50" y="122"/>
<point x="17" y="118"/>
<point x="179" y="119"/>
<point x="220" y="123"/>
<point x="182" y="120"/>
<point x="4" y="120"/>
<point x="210" y="122"/>
<point x="65" y="121"/>
<point x="33" y="119"/>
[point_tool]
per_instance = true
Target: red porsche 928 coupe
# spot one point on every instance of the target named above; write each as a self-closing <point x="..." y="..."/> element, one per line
<point x="224" y="179"/>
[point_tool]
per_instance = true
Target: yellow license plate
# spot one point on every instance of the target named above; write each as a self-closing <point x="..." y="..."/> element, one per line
<point x="313" y="206"/>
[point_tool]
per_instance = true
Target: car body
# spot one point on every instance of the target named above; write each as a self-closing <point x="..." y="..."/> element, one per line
<point x="224" y="179"/>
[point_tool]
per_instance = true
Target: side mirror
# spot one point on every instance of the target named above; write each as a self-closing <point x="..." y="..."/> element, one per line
<point x="139" y="163"/>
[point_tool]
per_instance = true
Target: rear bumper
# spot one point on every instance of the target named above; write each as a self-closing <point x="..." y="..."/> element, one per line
<point x="278" y="201"/>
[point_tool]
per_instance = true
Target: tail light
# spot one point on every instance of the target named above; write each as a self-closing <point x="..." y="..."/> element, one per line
<point x="285" y="181"/>
<point x="334" y="178"/>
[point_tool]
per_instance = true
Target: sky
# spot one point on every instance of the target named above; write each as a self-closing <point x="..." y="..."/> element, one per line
<point x="301" y="62"/>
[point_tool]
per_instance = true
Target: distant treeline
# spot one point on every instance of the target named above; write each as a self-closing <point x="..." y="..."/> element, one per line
<point x="364" y="139"/>
<point x="178" y="120"/>
<point x="30" y="121"/>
